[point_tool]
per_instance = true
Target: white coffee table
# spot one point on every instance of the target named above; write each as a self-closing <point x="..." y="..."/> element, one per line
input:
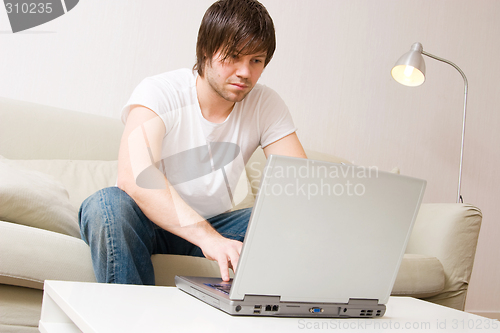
<point x="92" y="307"/>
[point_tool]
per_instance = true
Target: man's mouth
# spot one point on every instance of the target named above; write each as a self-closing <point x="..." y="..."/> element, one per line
<point x="239" y="85"/>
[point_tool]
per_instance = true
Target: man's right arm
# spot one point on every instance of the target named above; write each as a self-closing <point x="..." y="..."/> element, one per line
<point x="140" y="147"/>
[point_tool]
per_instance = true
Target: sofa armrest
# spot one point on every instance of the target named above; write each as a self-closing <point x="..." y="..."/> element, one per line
<point x="32" y="255"/>
<point x="448" y="232"/>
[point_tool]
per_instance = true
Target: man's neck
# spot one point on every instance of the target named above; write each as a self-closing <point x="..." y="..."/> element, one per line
<point x="213" y="107"/>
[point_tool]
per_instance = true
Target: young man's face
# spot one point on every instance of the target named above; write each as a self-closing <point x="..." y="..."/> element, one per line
<point x="233" y="78"/>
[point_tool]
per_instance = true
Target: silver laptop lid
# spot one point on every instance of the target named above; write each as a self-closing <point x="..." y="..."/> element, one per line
<point x="325" y="232"/>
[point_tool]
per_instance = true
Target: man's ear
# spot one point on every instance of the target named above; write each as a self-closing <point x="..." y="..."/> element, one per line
<point x="206" y="62"/>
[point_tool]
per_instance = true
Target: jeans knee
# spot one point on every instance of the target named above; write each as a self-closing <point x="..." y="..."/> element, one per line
<point x="107" y="206"/>
<point x="111" y="212"/>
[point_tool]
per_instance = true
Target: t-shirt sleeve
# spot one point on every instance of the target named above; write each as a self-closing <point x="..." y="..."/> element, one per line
<point x="146" y="94"/>
<point x="275" y="120"/>
<point x="157" y="94"/>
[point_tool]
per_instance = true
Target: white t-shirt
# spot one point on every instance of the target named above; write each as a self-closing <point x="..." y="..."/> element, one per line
<point x="202" y="159"/>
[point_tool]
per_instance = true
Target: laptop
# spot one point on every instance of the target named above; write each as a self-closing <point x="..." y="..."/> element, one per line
<point x="323" y="240"/>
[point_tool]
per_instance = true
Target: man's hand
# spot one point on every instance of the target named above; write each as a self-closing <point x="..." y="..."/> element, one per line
<point x="223" y="250"/>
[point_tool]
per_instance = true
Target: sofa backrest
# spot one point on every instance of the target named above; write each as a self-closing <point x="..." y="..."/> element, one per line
<point x="34" y="131"/>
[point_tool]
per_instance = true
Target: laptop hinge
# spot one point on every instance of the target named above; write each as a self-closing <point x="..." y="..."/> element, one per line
<point x="253" y="298"/>
<point x="362" y="301"/>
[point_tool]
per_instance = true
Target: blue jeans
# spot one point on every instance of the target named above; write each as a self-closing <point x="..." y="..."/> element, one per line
<point x="122" y="239"/>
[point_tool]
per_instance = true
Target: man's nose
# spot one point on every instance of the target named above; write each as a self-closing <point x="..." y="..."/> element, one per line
<point x="243" y="70"/>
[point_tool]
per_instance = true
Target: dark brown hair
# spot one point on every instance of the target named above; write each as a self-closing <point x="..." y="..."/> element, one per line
<point x="234" y="27"/>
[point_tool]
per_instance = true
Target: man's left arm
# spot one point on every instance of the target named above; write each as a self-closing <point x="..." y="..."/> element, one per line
<point x="287" y="146"/>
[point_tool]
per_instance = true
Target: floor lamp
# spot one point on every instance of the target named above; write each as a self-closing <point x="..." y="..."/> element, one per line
<point x="410" y="71"/>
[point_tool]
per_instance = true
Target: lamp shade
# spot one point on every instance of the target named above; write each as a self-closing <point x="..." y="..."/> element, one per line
<point x="410" y="68"/>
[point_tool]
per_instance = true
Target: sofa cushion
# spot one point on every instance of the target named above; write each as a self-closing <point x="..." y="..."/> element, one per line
<point x="81" y="178"/>
<point x="35" y="199"/>
<point x="31" y="255"/>
<point x="419" y="276"/>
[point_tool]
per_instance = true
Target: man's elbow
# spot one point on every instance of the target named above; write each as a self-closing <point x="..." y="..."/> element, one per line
<point x="150" y="178"/>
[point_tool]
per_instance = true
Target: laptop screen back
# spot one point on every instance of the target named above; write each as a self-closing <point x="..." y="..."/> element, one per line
<point x="324" y="232"/>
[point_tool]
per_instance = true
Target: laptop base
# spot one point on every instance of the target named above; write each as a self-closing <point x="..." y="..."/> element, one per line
<point x="254" y="305"/>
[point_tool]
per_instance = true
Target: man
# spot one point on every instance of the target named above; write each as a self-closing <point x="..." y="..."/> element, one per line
<point x="174" y="176"/>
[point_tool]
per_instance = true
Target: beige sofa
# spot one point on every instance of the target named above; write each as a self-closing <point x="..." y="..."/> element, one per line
<point x="53" y="159"/>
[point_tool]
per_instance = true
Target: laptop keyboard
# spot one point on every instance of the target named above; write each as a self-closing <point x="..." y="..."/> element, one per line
<point x="225" y="288"/>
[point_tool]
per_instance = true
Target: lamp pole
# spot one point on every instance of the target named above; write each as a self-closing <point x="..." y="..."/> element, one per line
<point x="459" y="195"/>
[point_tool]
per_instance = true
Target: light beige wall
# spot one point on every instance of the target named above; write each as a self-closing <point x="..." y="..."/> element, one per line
<point x="332" y="66"/>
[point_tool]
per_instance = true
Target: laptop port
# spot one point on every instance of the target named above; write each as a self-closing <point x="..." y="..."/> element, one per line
<point x="315" y="310"/>
<point x="272" y="308"/>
